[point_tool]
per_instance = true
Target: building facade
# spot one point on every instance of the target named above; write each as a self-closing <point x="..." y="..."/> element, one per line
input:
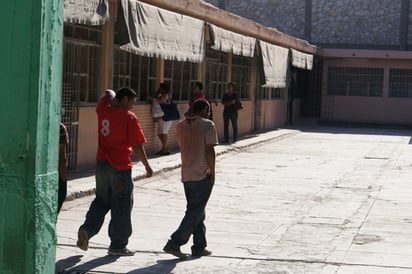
<point x="365" y="68"/>
<point x="104" y="50"/>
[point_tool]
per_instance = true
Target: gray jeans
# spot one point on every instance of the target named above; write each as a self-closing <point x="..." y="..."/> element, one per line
<point x="114" y="192"/>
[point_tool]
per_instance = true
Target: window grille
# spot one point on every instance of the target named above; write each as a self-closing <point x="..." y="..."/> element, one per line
<point x="241" y="75"/>
<point x="136" y="72"/>
<point x="355" y="81"/>
<point x="81" y="70"/>
<point x="91" y="34"/>
<point x="182" y="77"/>
<point x="265" y="93"/>
<point x="400" y="83"/>
<point x="215" y="74"/>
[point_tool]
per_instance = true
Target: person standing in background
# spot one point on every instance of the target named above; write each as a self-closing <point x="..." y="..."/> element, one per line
<point x="230" y="101"/>
<point x="199" y="94"/>
<point x="196" y="94"/>
<point x="162" y="97"/>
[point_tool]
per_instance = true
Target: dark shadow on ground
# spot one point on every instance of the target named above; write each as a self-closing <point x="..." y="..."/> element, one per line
<point x="63" y="264"/>
<point x="162" y="267"/>
<point x="89" y="265"/>
<point x="353" y="128"/>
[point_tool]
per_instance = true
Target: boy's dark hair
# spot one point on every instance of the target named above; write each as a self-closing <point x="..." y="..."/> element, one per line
<point x="165" y="87"/>
<point x="199" y="105"/>
<point x="199" y="85"/>
<point x="125" y="91"/>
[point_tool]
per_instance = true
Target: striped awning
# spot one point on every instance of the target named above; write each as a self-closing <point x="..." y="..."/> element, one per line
<point x="86" y="12"/>
<point x="151" y="31"/>
<point x="275" y="61"/>
<point x="302" y="60"/>
<point x="231" y="42"/>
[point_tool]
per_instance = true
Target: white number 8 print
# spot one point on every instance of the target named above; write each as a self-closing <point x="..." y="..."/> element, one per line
<point x="105" y="128"/>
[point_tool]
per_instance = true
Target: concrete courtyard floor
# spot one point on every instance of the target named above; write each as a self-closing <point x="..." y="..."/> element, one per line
<point x="297" y="200"/>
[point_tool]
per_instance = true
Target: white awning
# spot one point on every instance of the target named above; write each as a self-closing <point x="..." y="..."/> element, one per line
<point x="151" y="31"/>
<point x="86" y="12"/>
<point x="275" y="64"/>
<point x="302" y="60"/>
<point x="228" y="41"/>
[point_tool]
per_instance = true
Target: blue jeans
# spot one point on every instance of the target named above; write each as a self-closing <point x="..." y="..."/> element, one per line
<point x="232" y="117"/>
<point x="197" y="194"/>
<point x="114" y="192"/>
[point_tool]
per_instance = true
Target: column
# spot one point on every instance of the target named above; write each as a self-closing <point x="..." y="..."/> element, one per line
<point x="107" y="48"/>
<point x="31" y="58"/>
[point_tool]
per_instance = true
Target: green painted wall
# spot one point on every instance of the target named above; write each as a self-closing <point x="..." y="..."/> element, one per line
<point x="30" y="78"/>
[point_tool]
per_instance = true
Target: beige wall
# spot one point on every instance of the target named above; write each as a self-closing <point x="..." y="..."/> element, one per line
<point x="384" y="110"/>
<point x="367" y="110"/>
<point x="270" y="114"/>
<point x="87" y="139"/>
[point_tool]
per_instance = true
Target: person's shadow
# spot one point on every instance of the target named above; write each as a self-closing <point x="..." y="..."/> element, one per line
<point x="63" y="264"/>
<point x="162" y="267"/>
<point x="85" y="267"/>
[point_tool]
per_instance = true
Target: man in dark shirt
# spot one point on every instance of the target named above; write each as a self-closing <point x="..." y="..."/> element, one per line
<point x="230" y="112"/>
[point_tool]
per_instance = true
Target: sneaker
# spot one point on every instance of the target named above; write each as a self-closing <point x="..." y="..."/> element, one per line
<point x="82" y="240"/>
<point x="201" y="253"/>
<point x="121" y="252"/>
<point x="174" y="251"/>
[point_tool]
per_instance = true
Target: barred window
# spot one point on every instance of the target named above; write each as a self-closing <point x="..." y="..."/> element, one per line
<point x="241" y="75"/>
<point x="216" y="74"/>
<point x="400" y="83"/>
<point x="278" y="93"/>
<point x="355" y="81"/>
<point x="80" y="70"/>
<point x="136" y="72"/>
<point x="265" y="93"/>
<point x="182" y="77"/>
<point x="270" y="93"/>
<point x="81" y="61"/>
<point x="91" y="34"/>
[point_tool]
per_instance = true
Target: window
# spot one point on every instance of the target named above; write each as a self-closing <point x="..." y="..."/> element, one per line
<point x="278" y="93"/>
<point x="121" y="69"/>
<point x="270" y="93"/>
<point x="81" y="61"/>
<point x="91" y="34"/>
<point x="355" y="81"/>
<point x="136" y="72"/>
<point x="216" y="74"/>
<point x="241" y="75"/>
<point x="80" y="70"/>
<point x="182" y="77"/>
<point x="264" y="93"/>
<point x="400" y="83"/>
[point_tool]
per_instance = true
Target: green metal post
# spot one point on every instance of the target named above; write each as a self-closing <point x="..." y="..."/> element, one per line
<point x="30" y="81"/>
